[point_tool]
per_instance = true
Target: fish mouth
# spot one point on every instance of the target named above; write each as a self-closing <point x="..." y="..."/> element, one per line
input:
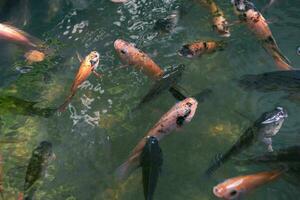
<point x="192" y="104"/>
<point x="119" y="43"/>
<point x="217" y="192"/>
<point x="277" y="115"/>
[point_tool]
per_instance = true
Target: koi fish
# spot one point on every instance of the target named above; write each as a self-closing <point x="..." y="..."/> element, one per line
<point x="181" y="113"/>
<point x="220" y="24"/>
<point x="88" y="66"/>
<point x="199" y="48"/>
<point x="237" y="187"/>
<point x="14" y="34"/>
<point x="263" y="129"/>
<point x="260" y="28"/>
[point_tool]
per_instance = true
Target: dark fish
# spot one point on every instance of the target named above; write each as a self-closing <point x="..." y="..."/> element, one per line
<point x="167" y="24"/>
<point x="19" y="106"/>
<point x="285" y="155"/>
<point x="151" y="162"/>
<point x="38" y="163"/>
<point x="272" y="81"/>
<point x="263" y="129"/>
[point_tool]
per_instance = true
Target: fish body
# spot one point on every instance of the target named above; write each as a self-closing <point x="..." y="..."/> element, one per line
<point x="263" y="129"/>
<point x="88" y="65"/>
<point x="272" y="81"/>
<point x="258" y="25"/>
<point x="13" y="34"/>
<point x="130" y="55"/>
<point x="181" y="113"/>
<point x="237" y="187"/>
<point x="151" y="163"/>
<point x="220" y="23"/>
<point x="199" y="48"/>
<point x="38" y="163"/>
<point x="33" y="56"/>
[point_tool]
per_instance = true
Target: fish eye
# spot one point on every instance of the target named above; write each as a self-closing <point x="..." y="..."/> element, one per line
<point x="233" y="193"/>
<point x="123" y="51"/>
<point x="298" y="51"/>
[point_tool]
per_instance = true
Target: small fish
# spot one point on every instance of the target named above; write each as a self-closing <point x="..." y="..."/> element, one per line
<point x="260" y="28"/>
<point x="263" y="129"/>
<point x="151" y="163"/>
<point x="13" y="34"/>
<point x="199" y="48"/>
<point x="167" y="24"/>
<point x="220" y="24"/>
<point x="130" y="55"/>
<point x="237" y="187"/>
<point x="33" y="56"/>
<point x="181" y="113"/>
<point x="88" y="66"/>
<point x="38" y="163"/>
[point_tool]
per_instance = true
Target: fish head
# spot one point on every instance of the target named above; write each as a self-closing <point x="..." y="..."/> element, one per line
<point x="229" y="189"/>
<point x="272" y="121"/>
<point x="93" y="59"/>
<point x="185" y="111"/>
<point x="44" y="150"/>
<point x="221" y="26"/>
<point x="152" y="143"/>
<point x="193" y="49"/>
<point x="126" y="51"/>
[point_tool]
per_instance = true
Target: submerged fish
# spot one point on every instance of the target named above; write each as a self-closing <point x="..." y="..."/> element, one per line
<point x="34" y="56"/>
<point x="38" y="163"/>
<point x="88" y="66"/>
<point x="288" y="81"/>
<point x="13" y="34"/>
<point x="10" y="104"/>
<point x="237" y="187"/>
<point x="151" y="163"/>
<point x="199" y="48"/>
<point x="181" y="113"/>
<point x="263" y="129"/>
<point x="167" y="24"/>
<point x="285" y="155"/>
<point x="130" y="55"/>
<point x="260" y="28"/>
<point x="220" y="24"/>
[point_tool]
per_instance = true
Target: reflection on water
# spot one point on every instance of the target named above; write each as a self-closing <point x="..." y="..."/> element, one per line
<point x="100" y="128"/>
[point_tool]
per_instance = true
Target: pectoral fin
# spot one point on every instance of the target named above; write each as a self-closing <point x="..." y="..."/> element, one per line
<point x="79" y="57"/>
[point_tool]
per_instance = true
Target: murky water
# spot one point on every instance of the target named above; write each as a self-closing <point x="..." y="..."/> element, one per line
<point x="99" y="130"/>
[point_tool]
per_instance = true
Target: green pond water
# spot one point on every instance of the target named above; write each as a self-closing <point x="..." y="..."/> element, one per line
<point x="99" y="130"/>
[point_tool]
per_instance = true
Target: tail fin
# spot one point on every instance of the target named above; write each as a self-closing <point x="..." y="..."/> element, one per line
<point x="221" y="45"/>
<point x="217" y="162"/>
<point x="63" y="107"/>
<point x="123" y="172"/>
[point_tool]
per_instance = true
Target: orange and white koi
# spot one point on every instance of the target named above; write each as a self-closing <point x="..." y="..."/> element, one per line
<point x="88" y="66"/>
<point x="181" y="113"/>
<point x="235" y="188"/>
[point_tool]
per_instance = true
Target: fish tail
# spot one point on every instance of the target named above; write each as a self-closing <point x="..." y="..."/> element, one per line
<point x="281" y="64"/>
<point x="63" y="107"/>
<point x="217" y="162"/>
<point x="221" y="45"/>
<point x="176" y="93"/>
<point x="123" y="171"/>
<point x="271" y="46"/>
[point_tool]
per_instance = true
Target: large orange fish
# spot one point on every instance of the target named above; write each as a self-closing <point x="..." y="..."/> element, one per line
<point x="181" y="113"/>
<point x="260" y="28"/>
<point x="130" y="55"/>
<point x="88" y="66"/>
<point x="220" y="24"/>
<point x="14" y="34"/>
<point x="235" y="188"/>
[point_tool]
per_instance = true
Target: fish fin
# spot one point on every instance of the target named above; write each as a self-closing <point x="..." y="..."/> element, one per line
<point x="98" y="75"/>
<point x="79" y="57"/>
<point x="216" y="163"/>
<point x="123" y="171"/>
<point x="282" y="65"/>
<point x="169" y="79"/>
<point x="271" y="46"/>
<point x="176" y="93"/>
<point x="63" y="107"/>
<point x="200" y="97"/>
